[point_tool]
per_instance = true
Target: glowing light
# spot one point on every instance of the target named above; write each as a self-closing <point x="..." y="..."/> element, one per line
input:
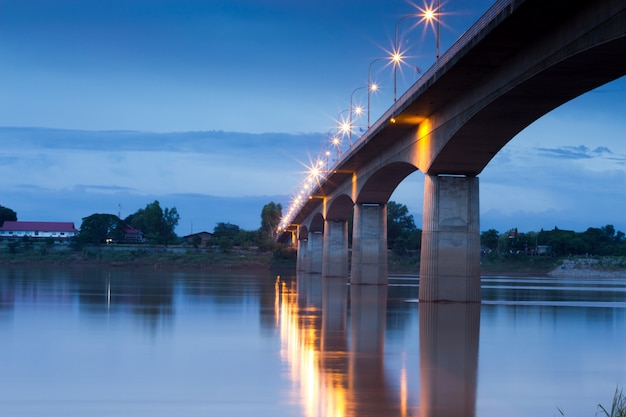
<point x="396" y="57"/>
<point x="320" y="388"/>
<point x="431" y="15"/>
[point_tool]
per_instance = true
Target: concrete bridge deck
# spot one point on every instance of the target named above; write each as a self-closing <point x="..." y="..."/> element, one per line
<point x="521" y="60"/>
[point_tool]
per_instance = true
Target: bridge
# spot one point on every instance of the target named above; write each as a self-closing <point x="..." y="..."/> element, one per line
<point x="518" y="62"/>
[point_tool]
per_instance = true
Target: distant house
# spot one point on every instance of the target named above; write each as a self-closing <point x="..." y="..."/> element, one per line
<point x="37" y="230"/>
<point x="543" y="249"/>
<point x="129" y="235"/>
<point x="204" y="238"/>
<point x="132" y="235"/>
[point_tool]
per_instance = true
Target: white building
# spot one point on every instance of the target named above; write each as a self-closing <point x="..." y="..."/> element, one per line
<point x="55" y="230"/>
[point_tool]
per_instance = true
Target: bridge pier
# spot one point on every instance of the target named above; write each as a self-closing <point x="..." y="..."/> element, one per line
<point x="369" y="245"/>
<point x="301" y="260"/>
<point x="314" y="253"/>
<point x="335" y="249"/>
<point x="450" y="255"/>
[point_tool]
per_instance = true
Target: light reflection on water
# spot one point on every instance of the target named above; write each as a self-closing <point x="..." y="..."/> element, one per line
<point x="147" y="342"/>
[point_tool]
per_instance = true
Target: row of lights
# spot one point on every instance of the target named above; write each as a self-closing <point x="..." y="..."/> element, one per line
<point x="317" y="171"/>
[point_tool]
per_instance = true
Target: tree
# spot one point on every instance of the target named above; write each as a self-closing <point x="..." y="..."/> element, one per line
<point x="95" y="229"/>
<point x="270" y="218"/>
<point x="489" y="239"/>
<point x="6" y="214"/>
<point x="155" y="223"/>
<point x="226" y="230"/>
<point x="170" y="218"/>
<point x="400" y="227"/>
<point x="224" y="234"/>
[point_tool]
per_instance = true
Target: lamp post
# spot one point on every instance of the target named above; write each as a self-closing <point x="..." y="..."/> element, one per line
<point x="336" y="142"/>
<point x="438" y="25"/>
<point x="396" y="56"/>
<point x="427" y="15"/>
<point x="352" y="110"/>
<point x="344" y="126"/>
<point x="430" y="14"/>
<point x="371" y="87"/>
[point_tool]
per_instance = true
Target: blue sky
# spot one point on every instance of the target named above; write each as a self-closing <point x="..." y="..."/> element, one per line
<point x="213" y="106"/>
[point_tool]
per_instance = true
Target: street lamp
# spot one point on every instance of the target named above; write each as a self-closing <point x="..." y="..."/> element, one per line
<point x="397" y="56"/>
<point x="438" y="24"/>
<point x="371" y="87"/>
<point x="336" y="142"/>
<point x="430" y="14"/>
<point x="344" y="125"/>
<point x="352" y="110"/>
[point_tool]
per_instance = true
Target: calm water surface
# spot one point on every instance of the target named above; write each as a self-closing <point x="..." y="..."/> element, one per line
<point x="133" y="342"/>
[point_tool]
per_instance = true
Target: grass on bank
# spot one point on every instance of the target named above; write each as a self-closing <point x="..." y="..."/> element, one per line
<point x="235" y="257"/>
<point x="134" y="255"/>
<point x="618" y="407"/>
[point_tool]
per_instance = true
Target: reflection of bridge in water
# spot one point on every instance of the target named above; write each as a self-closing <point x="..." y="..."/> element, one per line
<point x="521" y="60"/>
<point x="333" y="339"/>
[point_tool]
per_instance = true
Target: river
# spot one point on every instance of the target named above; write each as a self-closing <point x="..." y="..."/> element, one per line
<point x="145" y="342"/>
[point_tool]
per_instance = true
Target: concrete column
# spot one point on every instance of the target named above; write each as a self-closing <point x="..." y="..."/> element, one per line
<point x="315" y="252"/>
<point x="369" y="245"/>
<point x="450" y="256"/>
<point x="448" y="338"/>
<point x="335" y="250"/>
<point x="301" y="260"/>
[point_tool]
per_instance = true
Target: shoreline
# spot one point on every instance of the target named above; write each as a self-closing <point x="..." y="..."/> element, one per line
<point x="583" y="267"/>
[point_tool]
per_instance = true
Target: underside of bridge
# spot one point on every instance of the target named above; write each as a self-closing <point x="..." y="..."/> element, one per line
<point x="525" y="59"/>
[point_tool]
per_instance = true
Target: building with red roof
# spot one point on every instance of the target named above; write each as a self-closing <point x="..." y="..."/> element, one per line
<point x="56" y="230"/>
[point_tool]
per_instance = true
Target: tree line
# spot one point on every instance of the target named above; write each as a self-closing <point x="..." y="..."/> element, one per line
<point x="597" y="241"/>
<point x="403" y="237"/>
<point x="158" y="225"/>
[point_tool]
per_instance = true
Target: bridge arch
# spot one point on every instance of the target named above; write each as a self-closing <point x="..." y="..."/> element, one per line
<point x="379" y="187"/>
<point x="335" y="251"/>
<point x="539" y="75"/>
<point x="317" y="224"/>
<point x="303" y="233"/>
<point x="340" y="208"/>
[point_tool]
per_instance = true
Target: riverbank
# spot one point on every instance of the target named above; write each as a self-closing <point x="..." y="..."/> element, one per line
<point x="240" y="259"/>
<point x="162" y="258"/>
<point x="588" y="267"/>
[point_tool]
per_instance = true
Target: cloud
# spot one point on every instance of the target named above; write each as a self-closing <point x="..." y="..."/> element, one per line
<point x="212" y="163"/>
<point x="211" y="177"/>
<point x="578" y="152"/>
<point x="64" y="175"/>
<point x="571" y="187"/>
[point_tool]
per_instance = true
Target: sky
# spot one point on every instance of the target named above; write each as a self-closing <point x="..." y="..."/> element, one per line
<point x="215" y="107"/>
